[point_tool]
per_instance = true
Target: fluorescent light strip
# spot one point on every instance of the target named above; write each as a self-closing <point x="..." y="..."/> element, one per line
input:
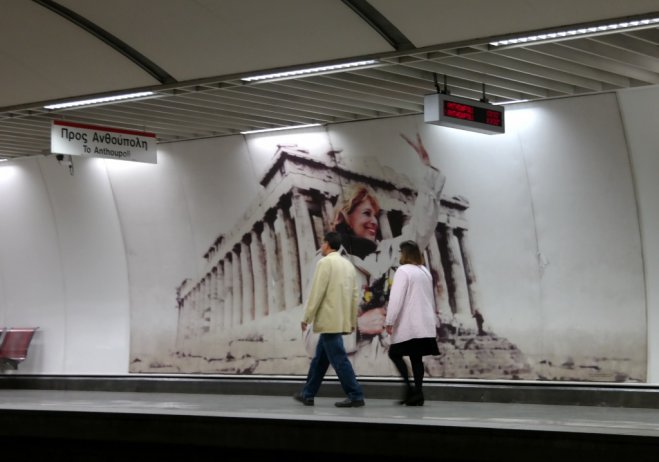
<point x="577" y="32"/>
<point x="108" y="99"/>
<point x="311" y="70"/>
<point x="292" y="127"/>
<point x="516" y="101"/>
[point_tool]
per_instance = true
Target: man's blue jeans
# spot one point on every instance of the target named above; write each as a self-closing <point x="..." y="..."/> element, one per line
<point x="330" y="350"/>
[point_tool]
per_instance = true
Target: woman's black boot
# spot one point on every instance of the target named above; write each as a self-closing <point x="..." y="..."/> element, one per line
<point x="416" y="399"/>
<point x="407" y="394"/>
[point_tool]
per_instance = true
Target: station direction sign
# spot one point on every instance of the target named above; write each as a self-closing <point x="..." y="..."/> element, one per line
<point x="77" y="139"/>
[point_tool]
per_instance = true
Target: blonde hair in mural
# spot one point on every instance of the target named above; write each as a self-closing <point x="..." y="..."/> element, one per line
<point x="355" y="195"/>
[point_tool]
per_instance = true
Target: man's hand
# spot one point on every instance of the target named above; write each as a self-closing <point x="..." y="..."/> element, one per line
<point x="371" y="322"/>
<point x="390" y="330"/>
<point x="303" y="325"/>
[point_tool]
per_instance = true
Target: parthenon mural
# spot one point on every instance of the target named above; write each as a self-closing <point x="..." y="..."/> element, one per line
<point x="243" y="315"/>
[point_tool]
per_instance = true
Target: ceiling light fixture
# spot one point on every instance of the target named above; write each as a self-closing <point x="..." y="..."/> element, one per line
<point x="311" y="71"/>
<point x="104" y="100"/>
<point x="515" y="101"/>
<point x="590" y="30"/>
<point x="292" y="127"/>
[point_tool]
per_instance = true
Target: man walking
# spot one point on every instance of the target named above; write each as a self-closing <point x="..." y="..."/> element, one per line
<point x="332" y="310"/>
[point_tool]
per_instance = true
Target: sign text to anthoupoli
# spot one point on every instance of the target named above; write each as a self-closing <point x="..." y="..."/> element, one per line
<point x="77" y="139"/>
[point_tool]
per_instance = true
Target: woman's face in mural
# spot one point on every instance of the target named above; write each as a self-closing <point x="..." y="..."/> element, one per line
<point x="363" y="221"/>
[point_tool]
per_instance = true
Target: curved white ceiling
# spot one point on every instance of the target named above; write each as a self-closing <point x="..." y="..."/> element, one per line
<point x="203" y="46"/>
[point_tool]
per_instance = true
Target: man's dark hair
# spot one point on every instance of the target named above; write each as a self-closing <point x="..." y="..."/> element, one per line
<point x="333" y="239"/>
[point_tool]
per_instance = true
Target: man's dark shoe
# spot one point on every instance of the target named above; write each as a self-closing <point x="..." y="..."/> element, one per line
<point x="350" y="403"/>
<point x="306" y="401"/>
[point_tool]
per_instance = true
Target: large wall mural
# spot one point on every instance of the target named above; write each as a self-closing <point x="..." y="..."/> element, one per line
<point x="492" y="241"/>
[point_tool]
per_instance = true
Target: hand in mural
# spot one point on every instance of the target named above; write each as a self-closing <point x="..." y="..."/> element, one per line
<point x="371" y="322"/>
<point x="419" y="148"/>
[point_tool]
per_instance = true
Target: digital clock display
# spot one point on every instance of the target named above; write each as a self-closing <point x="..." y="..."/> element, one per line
<point x="462" y="113"/>
<point x="472" y="113"/>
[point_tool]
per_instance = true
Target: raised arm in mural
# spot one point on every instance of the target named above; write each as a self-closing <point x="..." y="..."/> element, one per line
<point x="357" y="221"/>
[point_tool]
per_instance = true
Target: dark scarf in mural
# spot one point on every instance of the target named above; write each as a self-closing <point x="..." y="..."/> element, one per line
<point x="354" y="244"/>
<point x="376" y="294"/>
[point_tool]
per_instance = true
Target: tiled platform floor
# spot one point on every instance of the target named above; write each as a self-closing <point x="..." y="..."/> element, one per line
<point x="104" y="425"/>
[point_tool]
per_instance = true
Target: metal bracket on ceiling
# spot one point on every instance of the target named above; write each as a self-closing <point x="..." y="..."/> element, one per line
<point x="122" y="47"/>
<point x="381" y="24"/>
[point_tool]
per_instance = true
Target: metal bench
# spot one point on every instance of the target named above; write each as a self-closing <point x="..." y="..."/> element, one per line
<point x="14" y="346"/>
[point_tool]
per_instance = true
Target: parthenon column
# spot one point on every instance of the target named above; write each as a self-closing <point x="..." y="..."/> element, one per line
<point x="193" y="319"/>
<point x="216" y="320"/>
<point x="179" y="321"/>
<point x="454" y="274"/>
<point x="205" y="312"/>
<point x="273" y="268"/>
<point x="439" y="279"/>
<point x="212" y="298"/>
<point x="237" y="287"/>
<point x="289" y="258"/>
<point x="306" y="244"/>
<point x="195" y="315"/>
<point x="470" y="276"/>
<point x="259" y="270"/>
<point x="183" y="313"/>
<point x="208" y="301"/>
<point x="189" y="317"/>
<point x="220" y="315"/>
<point x="247" y="281"/>
<point x="454" y="254"/>
<point x="228" y="292"/>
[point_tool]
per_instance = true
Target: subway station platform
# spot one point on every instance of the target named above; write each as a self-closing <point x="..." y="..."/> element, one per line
<point x="231" y="419"/>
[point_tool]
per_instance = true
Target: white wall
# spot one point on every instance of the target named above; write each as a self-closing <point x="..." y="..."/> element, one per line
<point x="640" y="113"/>
<point x="589" y="251"/>
<point x="63" y="266"/>
<point x="91" y="256"/>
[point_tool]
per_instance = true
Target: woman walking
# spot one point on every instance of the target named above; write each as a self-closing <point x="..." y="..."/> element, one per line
<point x="411" y="320"/>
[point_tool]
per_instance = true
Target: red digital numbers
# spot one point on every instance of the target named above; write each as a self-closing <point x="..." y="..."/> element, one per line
<point x="459" y="111"/>
<point x="479" y="116"/>
<point x="493" y="118"/>
<point x="472" y="113"/>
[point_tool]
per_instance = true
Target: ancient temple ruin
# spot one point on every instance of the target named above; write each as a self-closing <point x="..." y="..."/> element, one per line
<point x="262" y="265"/>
